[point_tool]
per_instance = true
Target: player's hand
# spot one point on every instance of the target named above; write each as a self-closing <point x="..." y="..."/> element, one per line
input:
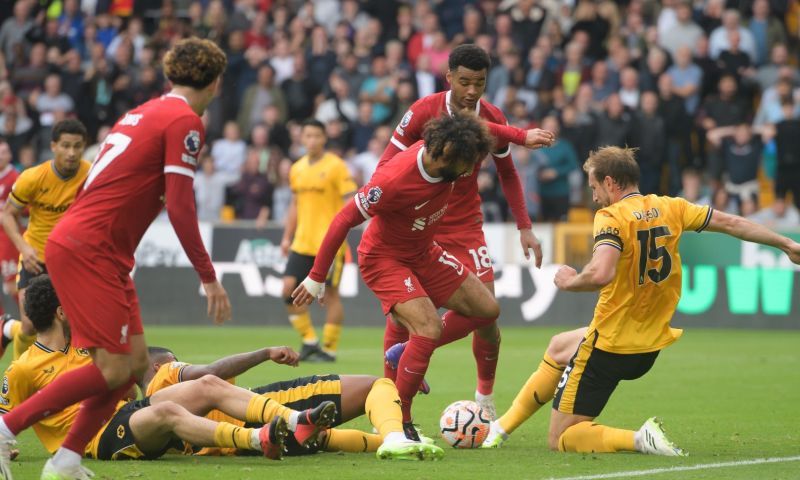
<point x="307" y="291"/>
<point x="529" y="242"/>
<point x="219" y="306"/>
<point x="285" y="244"/>
<point x="564" y="276"/>
<point x="30" y="260"/>
<point x="284" y="356"/>
<point x="538" y="138"/>
<point x="793" y="252"/>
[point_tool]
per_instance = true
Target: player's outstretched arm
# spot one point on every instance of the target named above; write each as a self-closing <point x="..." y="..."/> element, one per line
<point x="28" y="255"/>
<point x="749" y="231"/>
<point x="533" y="138"/>
<point x="313" y="285"/>
<point x="235" y="365"/>
<point x="598" y="273"/>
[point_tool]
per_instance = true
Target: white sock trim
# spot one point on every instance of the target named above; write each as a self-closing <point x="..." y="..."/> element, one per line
<point x="293" y="419"/>
<point x="393" y="437"/>
<point x="5" y="432"/>
<point x="7" y="328"/>
<point x="65" y="458"/>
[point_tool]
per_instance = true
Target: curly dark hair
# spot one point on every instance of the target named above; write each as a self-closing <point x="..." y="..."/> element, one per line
<point x="458" y="136"/>
<point x="70" y="126"/>
<point x="194" y="62"/>
<point x="41" y="303"/>
<point x="469" y="56"/>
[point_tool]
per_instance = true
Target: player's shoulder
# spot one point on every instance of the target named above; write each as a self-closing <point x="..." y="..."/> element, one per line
<point x="334" y="160"/>
<point x="37" y="171"/>
<point x="492" y="113"/>
<point x="428" y="104"/>
<point x="299" y="165"/>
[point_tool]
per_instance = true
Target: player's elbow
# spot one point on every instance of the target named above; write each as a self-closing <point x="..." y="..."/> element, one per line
<point x="601" y="278"/>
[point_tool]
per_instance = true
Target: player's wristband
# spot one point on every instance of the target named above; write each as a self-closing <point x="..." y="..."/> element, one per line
<point x="316" y="289"/>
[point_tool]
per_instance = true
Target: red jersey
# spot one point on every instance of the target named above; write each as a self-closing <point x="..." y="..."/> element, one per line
<point x="406" y="205"/>
<point x="148" y="159"/>
<point x="465" y="210"/>
<point x="7" y="178"/>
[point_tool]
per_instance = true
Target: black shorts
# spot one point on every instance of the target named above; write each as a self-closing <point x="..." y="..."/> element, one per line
<point x="299" y="266"/>
<point x="593" y="374"/>
<point x="24" y="277"/>
<point x="117" y="441"/>
<point x="301" y="394"/>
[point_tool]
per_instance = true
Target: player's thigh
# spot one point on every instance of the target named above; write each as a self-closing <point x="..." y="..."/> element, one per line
<point x="190" y="394"/>
<point x="391" y="280"/>
<point x="306" y="392"/>
<point x="473" y="299"/>
<point x="297" y="269"/>
<point x="355" y="389"/>
<point x="152" y="427"/>
<point x="419" y="316"/>
<point x="563" y="345"/>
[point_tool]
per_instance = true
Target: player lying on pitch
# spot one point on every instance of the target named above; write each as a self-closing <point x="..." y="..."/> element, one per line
<point x="636" y="266"/>
<point x="353" y="395"/>
<point x="146" y="428"/>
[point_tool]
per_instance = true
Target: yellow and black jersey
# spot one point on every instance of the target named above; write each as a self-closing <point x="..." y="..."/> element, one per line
<point x="47" y="194"/>
<point x="319" y="190"/>
<point x="33" y="371"/>
<point x="634" y="311"/>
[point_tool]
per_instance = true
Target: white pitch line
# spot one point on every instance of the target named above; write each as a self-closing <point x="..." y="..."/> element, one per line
<point x="703" y="466"/>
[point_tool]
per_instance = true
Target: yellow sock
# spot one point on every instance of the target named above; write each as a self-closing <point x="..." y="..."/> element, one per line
<point x="330" y="337"/>
<point x="231" y="436"/>
<point x="21" y="341"/>
<point x="302" y="324"/>
<point x="537" y="391"/>
<point x="588" y="437"/>
<point x="352" y="441"/>
<point x="383" y="407"/>
<point x="263" y="410"/>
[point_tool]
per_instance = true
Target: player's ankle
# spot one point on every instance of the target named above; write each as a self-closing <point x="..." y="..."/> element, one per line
<point x="65" y="458"/>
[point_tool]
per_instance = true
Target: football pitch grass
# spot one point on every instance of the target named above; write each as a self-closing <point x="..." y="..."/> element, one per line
<point x="729" y="397"/>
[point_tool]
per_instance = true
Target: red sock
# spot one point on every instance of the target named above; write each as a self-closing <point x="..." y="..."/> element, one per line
<point x="456" y="326"/>
<point x="411" y="370"/>
<point x="94" y="413"/>
<point x="393" y="335"/>
<point x="69" y="388"/>
<point x="486" y="354"/>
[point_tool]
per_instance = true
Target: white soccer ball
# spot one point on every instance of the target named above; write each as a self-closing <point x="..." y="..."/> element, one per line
<point x="464" y="425"/>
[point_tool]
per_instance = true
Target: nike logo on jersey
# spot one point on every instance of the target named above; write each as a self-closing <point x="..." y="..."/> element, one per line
<point x="421" y="205"/>
<point x="482" y="273"/>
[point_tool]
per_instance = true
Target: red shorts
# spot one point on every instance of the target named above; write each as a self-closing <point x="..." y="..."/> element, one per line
<point x="435" y="274"/>
<point x="469" y="248"/>
<point x="100" y="302"/>
<point x="9" y="258"/>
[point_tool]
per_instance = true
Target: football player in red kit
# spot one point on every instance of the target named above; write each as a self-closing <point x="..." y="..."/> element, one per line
<point x="147" y="160"/>
<point x="460" y="232"/>
<point x="410" y="273"/>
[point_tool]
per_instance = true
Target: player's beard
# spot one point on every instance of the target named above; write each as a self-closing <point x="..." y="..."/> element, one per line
<point x="450" y="174"/>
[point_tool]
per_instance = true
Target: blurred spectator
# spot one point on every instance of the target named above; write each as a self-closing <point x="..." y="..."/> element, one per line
<point x="574" y="72"/>
<point x="253" y="192"/>
<point x="726" y="108"/>
<point x="778" y="216"/>
<point x="340" y="105"/>
<point x="692" y="187"/>
<point x="602" y="85"/>
<point x="405" y="98"/>
<point x="13" y="30"/>
<point x="629" y="88"/>
<point x="656" y="64"/>
<point x="363" y="128"/>
<point x="732" y="60"/>
<point x="259" y="96"/>
<point x="677" y="127"/>
<point x="422" y="38"/>
<point x="648" y="135"/>
<point x="684" y="32"/>
<point x="51" y="100"/>
<point x="209" y="188"/>
<point x="686" y="79"/>
<point x="787" y="143"/>
<point x="299" y="91"/>
<point x="767" y="31"/>
<point x="321" y="60"/>
<point x="364" y="164"/>
<point x="719" y="40"/>
<point x="768" y="74"/>
<point x="229" y="152"/>
<point x="579" y="130"/>
<point x="740" y="154"/>
<point x="379" y="88"/>
<point x="71" y="24"/>
<point x="91" y="151"/>
<point x="30" y="75"/>
<point x="282" y="193"/>
<point x="555" y="165"/>
<point x="770" y="111"/>
<point x="613" y="126"/>
<point x="539" y="75"/>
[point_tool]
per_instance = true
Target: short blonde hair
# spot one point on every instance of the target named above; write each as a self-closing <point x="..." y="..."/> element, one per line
<point x="619" y="163"/>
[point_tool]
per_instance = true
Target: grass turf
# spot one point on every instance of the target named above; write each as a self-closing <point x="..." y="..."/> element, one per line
<point x="724" y="395"/>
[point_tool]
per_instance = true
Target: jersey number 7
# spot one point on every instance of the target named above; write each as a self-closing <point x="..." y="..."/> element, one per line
<point x="649" y="250"/>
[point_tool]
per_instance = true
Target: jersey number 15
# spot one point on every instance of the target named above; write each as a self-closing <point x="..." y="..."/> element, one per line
<point x="649" y="250"/>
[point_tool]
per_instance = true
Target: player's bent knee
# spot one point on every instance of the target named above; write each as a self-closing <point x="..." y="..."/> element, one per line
<point x="210" y="381"/>
<point x="168" y="412"/>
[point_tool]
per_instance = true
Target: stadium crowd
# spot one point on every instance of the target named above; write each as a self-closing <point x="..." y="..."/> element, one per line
<point x="708" y="91"/>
